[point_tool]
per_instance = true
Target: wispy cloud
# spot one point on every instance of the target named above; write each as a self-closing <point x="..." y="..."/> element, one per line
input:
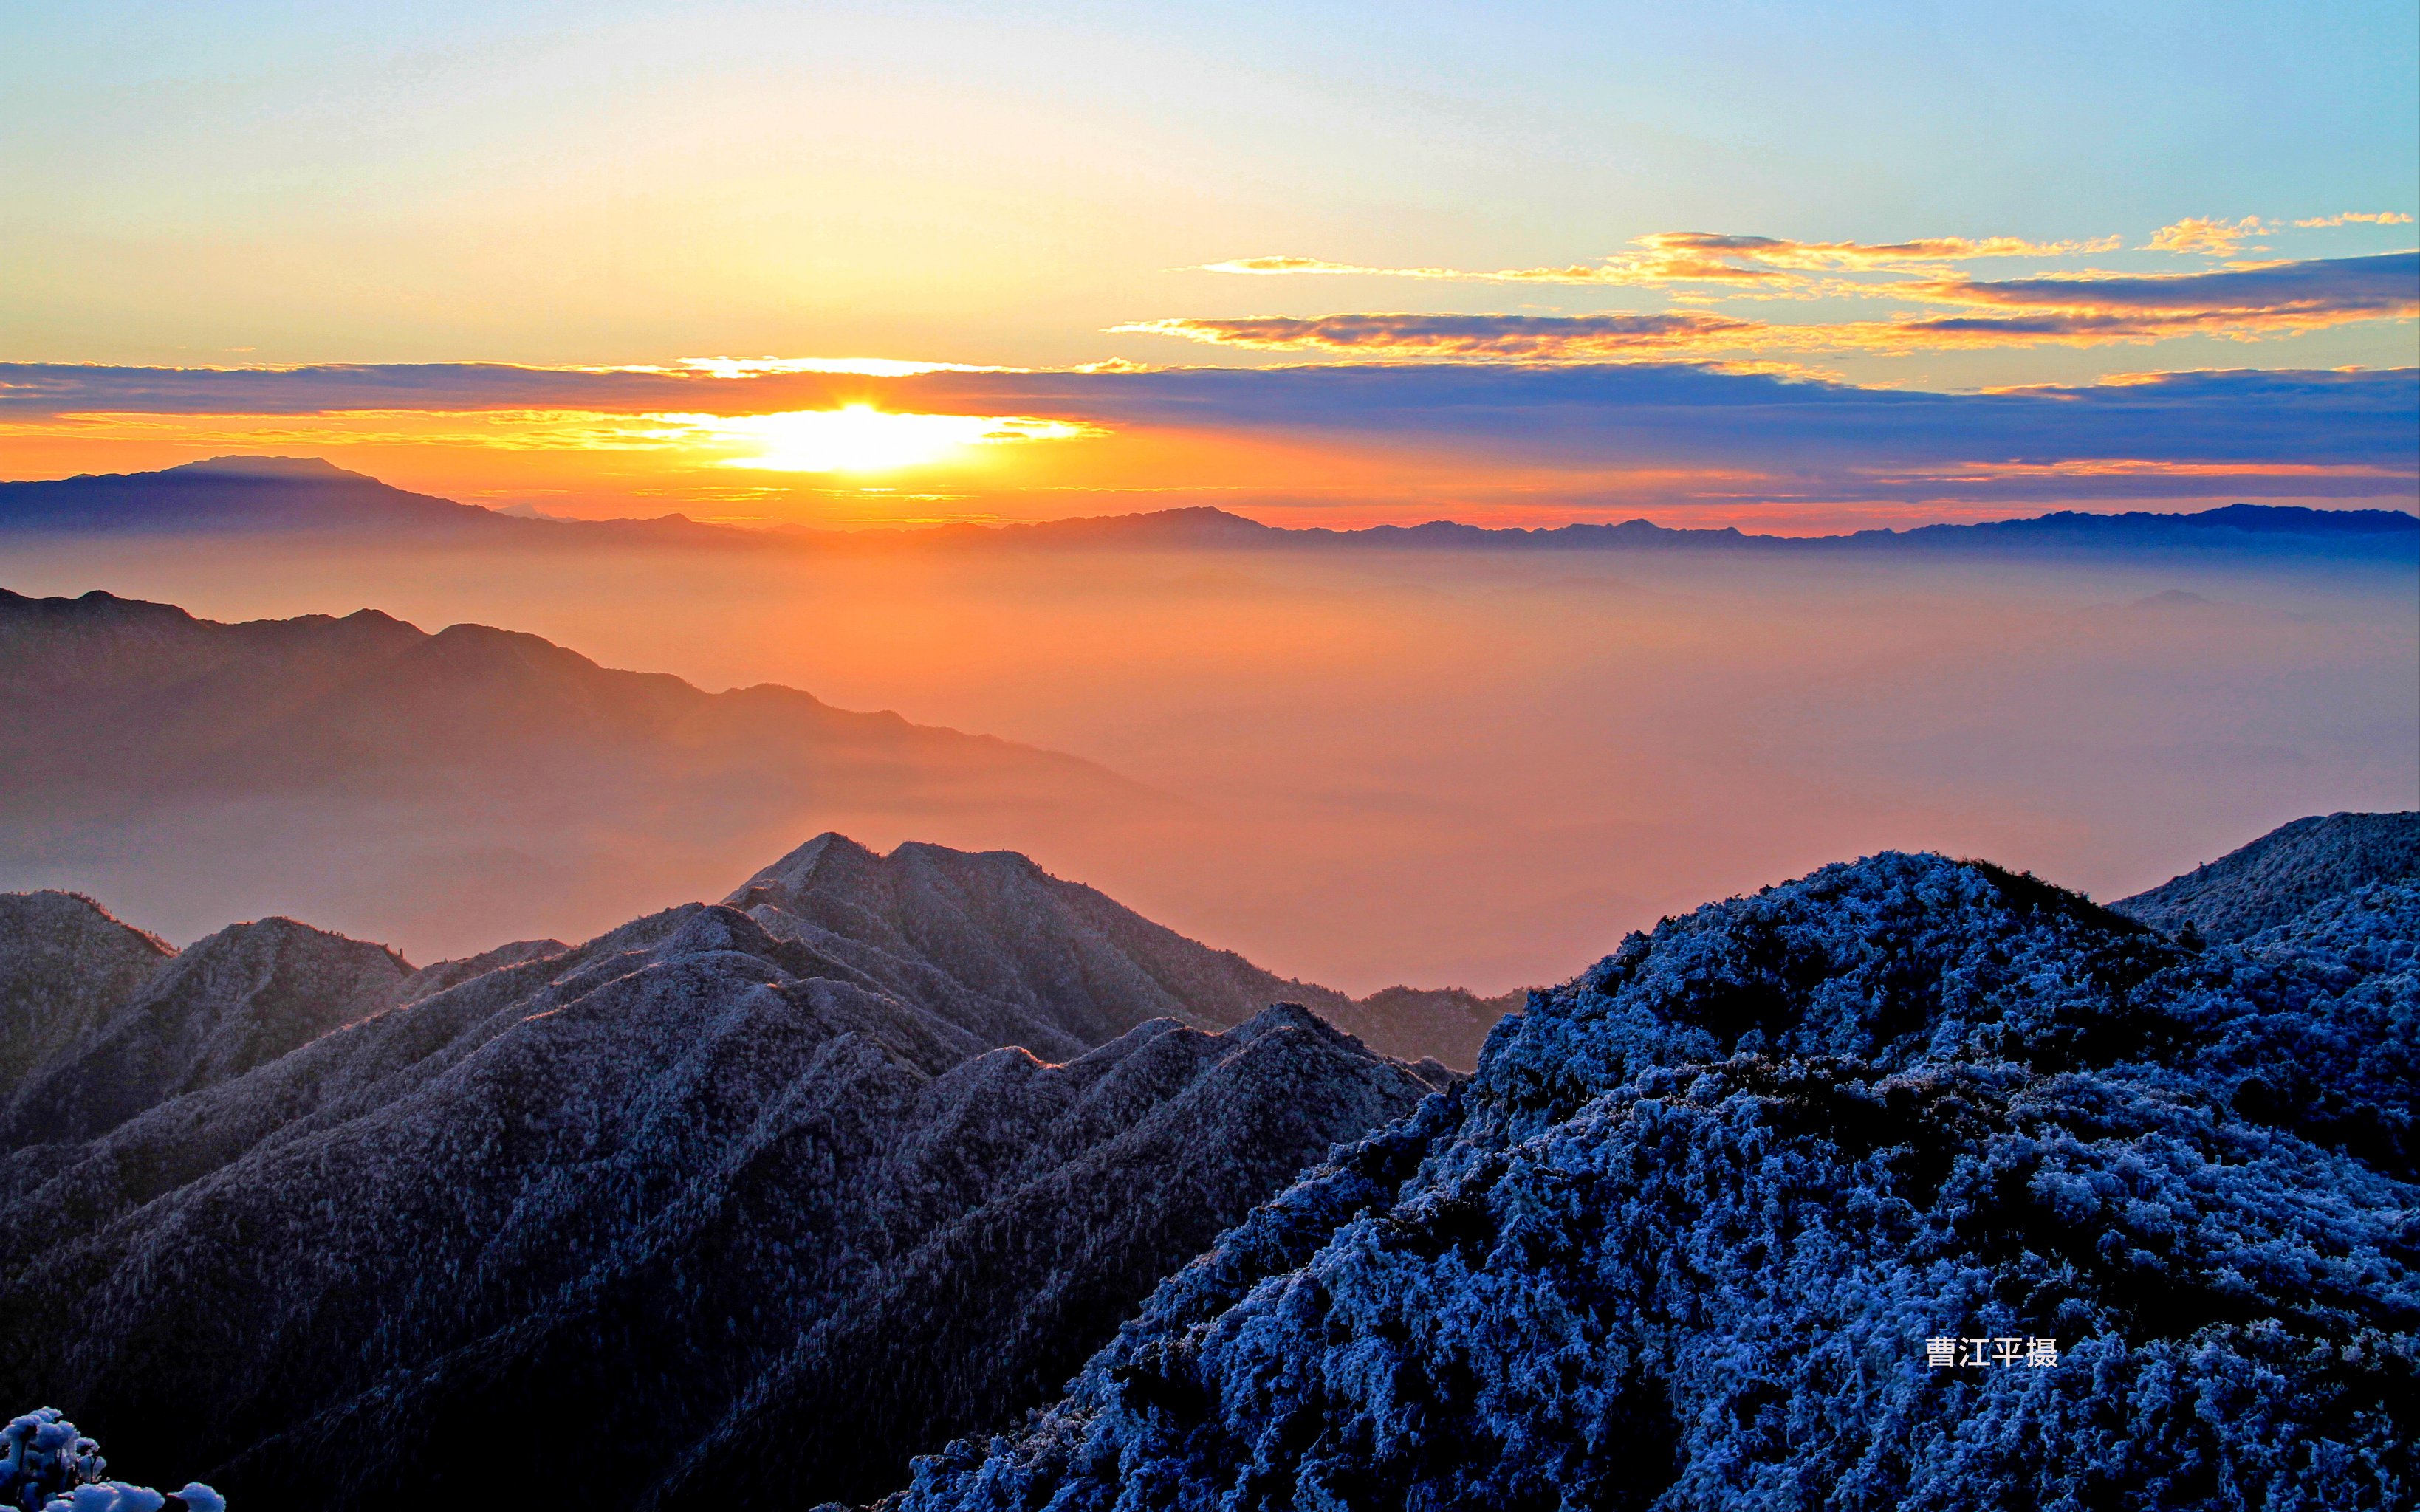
<point x="1483" y="337"/>
<point x="1748" y="265"/>
<point x="1700" y="258"/>
<point x="861" y="366"/>
<point x="2077" y="310"/>
<point x="2247" y="301"/>
<point x="2359" y="218"/>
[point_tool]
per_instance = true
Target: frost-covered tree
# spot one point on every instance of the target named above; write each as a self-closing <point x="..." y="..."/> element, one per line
<point x="47" y="1466"/>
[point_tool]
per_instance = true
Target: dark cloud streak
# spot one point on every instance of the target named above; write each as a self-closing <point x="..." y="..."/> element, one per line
<point x="1809" y="437"/>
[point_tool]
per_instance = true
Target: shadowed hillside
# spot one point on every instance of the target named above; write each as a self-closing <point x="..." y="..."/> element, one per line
<point x="1921" y="1180"/>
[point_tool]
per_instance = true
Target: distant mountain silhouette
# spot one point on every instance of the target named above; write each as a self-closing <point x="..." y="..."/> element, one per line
<point x="292" y="495"/>
<point x="447" y="788"/>
<point x="283" y="1208"/>
<point x="2282" y="874"/>
<point x="365" y="759"/>
<point x="307" y="496"/>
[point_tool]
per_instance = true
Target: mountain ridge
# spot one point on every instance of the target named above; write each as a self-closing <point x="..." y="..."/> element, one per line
<point x="891" y="916"/>
<point x="121" y="710"/>
<point x="471" y="1198"/>
<point x="447" y="788"/>
<point x="270" y="495"/>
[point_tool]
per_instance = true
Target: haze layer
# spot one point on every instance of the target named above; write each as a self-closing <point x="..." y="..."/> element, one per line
<point x="1439" y="766"/>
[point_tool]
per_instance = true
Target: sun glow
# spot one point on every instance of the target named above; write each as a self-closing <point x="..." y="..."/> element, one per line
<point x="859" y="437"/>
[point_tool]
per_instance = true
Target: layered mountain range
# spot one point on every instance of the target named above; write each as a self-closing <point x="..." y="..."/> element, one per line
<point x="439" y="790"/>
<point x="474" y="782"/>
<point x="780" y="1173"/>
<point x="270" y="495"/>
<point x="1913" y="1182"/>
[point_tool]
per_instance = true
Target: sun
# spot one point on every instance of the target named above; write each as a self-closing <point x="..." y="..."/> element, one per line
<point x="858" y="438"/>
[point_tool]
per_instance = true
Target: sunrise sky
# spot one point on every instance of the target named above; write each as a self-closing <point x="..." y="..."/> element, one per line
<point x="1789" y="269"/>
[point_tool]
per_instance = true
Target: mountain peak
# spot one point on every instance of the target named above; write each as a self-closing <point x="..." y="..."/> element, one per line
<point x="796" y="868"/>
<point x="311" y="469"/>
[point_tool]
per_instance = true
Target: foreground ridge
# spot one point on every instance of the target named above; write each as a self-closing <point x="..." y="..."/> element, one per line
<point x="1719" y="1223"/>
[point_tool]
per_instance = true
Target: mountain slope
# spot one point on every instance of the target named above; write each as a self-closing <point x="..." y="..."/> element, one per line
<point x="479" y="782"/>
<point x="66" y="965"/>
<point x="2282" y="874"/>
<point x="1691" y="1235"/>
<point x="689" y="1179"/>
<point x="236" y="1000"/>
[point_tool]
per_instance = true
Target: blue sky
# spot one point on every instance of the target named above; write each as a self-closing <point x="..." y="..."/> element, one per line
<point x="556" y="182"/>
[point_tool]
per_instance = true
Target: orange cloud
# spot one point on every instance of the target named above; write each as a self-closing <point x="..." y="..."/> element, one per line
<point x="1704" y="257"/>
<point x="1773" y="252"/>
<point x="2359" y="218"/>
<point x="1587" y="338"/>
<point x="2204" y="235"/>
<point x="735" y="367"/>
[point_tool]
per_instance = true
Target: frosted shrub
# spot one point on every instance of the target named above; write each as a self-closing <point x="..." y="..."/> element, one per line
<point x="47" y="1466"/>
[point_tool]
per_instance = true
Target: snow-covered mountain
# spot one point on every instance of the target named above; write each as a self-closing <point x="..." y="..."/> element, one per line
<point x="1914" y="1182"/>
<point x="65" y="967"/>
<point x="236" y="1000"/>
<point x="1910" y="1184"/>
<point x="2265" y="884"/>
<point x="692" y="1182"/>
